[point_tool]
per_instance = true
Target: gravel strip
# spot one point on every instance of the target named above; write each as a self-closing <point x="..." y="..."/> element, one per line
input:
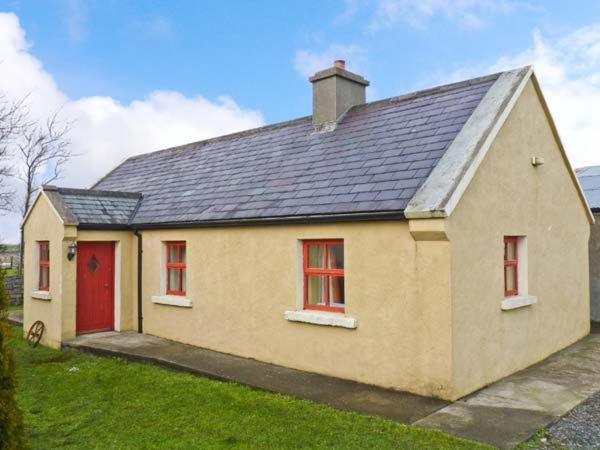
<point x="580" y="428"/>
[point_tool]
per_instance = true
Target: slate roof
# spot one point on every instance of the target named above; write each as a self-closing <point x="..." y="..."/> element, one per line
<point x="93" y="207"/>
<point x="373" y="162"/>
<point x="589" y="179"/>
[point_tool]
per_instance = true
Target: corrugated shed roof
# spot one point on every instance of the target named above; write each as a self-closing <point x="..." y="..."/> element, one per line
<point x="589" y="179"/>
<point x="374" y="161"/>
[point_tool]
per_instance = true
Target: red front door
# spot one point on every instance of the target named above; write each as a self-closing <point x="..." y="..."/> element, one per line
<point x="95" y="286"/>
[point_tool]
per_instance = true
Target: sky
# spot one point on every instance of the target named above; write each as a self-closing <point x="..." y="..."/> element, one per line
<point x="137" y="76"/>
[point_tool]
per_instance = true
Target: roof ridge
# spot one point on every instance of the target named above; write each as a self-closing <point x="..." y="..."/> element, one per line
<point x="433" y="90"/>
<point x="252" y="131"/>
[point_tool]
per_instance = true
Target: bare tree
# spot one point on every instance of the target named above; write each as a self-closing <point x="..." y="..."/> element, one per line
<point x="42" y="152"/>
<point x="13" y="120"/>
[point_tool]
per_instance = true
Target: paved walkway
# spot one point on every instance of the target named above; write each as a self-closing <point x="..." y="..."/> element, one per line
<point x="511" y="410"/>
<point x="15" y="317"/>
<point x="341" y="394"/>
<point x="503" y="414"/>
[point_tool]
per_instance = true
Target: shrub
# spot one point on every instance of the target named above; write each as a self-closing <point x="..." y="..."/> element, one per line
<point x="11" y="420"/>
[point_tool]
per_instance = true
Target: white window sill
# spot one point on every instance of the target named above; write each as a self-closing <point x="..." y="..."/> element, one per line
<point x="42" y="295"/>
<point x="518" y="301"/>
<point x="172" y="300"/>
<point x="321" y="318"/>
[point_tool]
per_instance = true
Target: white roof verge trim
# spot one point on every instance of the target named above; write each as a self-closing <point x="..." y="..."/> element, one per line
<point x="446" y="184"/>
<point x="444" y="187"/>
<point x="37" y="197"/>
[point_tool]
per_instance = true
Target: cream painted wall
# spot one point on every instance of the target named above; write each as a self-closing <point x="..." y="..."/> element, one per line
<point x="59" y="313"/>
<point x="43" y="224"/>
<point x="426" y="293"/>
<point x="510" y="197"/>
<point x="241" y="280"/>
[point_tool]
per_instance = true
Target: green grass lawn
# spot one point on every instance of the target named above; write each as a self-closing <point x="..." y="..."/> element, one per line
<point x="76" y="400"/>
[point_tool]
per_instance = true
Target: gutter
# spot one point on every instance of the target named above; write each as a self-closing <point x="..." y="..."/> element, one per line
<point x="139" y="282"/>
<point x="285" y="220"/>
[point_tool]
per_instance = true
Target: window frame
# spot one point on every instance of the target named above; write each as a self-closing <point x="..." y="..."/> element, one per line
<point x="511" y="240"/>
<point x="43" y="263"/>
<point x="326" y="272"/>
<point x="179" y="266"/>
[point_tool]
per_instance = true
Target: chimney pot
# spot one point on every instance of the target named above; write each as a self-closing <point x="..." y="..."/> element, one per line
<point x="340" y="63"/>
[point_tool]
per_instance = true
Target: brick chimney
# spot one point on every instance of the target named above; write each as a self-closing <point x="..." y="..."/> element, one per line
<point x="335" y="90"/>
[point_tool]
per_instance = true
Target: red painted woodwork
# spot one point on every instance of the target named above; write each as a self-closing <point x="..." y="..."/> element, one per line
<point x="510" y="243"/>
<point x="44" y="266"/>
<point x="95" y="286"/>
<point x="328" y="271"/>
<point x="176" y="265"/>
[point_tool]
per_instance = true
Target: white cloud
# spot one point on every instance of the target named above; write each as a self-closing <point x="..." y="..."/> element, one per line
<point x="568" y="69"/>
<point x="307" y="62"/>
<point x="105" y="131"/>
<point x="471" y="14"/>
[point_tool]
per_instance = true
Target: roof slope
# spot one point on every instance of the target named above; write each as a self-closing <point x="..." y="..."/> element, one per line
<point x="86" y="207"/>
<point x="589" y="179"/>
<point x="374" y="161"/>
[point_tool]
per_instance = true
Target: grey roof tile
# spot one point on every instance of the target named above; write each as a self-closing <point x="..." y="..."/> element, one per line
<point x="589" y="179"/>
<point x="375" y="160"/>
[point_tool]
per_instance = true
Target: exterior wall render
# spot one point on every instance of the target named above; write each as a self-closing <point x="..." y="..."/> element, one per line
<point x="59" y="313"/>
<point x="510" y="197"/>
<point x="241" y="280"/>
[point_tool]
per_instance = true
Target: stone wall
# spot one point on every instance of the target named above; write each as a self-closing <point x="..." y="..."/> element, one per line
<point x="14" y="287"/>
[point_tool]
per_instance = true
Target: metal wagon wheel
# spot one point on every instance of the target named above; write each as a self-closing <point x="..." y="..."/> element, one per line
<point x="34" y="335"/>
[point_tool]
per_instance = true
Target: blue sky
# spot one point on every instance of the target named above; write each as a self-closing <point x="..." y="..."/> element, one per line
<point x="136" y="76"/>
<point x="246" y="49"/>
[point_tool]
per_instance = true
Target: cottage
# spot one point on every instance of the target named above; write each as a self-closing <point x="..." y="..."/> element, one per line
<point x="589" y="178"/>
<point x="432" y="242"/>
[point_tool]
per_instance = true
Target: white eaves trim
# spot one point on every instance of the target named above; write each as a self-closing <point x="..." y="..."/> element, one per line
<point x="443" y="189"/>
<point x="172" y="300"/>
<point x="321" y="318"/>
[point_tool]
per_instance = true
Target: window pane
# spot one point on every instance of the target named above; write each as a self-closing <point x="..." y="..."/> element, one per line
<point x="336" y="256"/>
<point x="183" y="280"/>
<point x="510" y="250"/>
<point x="510" y="278"/>
<point x="173" y="280"/>
<point x="44" y="277"/>
<point x="315" y="256"/>
<point x="336" y="290"/>
<point x="315" y="290"/>
<point x="182" y="253"/>
<point x="173" y="253"/>
<point x="44" y="252"/>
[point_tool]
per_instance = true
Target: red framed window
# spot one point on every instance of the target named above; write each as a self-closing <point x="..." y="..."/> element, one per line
<point x="323" y="267"/>
<point x="44" y="266"/>
<point x="176" y="277"/>
<point x="511" y="266"/>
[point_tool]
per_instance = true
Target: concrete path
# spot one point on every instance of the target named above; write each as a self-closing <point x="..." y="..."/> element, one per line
<point x="15" y="317"/>
<point x="513" y="409"/>
<point x="341" y="394"/>
<point x="503" y="414"/>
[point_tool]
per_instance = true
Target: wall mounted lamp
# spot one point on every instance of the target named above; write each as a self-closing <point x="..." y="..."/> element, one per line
<point x="72" y="251"/>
